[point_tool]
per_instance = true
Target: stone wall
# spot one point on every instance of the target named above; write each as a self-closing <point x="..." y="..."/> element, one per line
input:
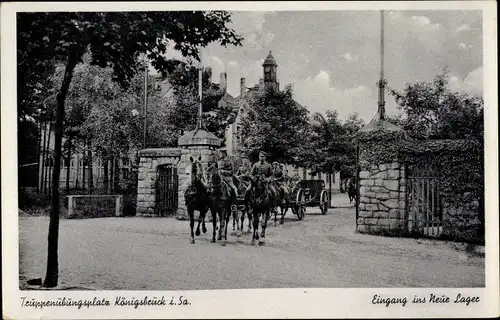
<point x="150" y="159"/>
<point x="382" y="203"/>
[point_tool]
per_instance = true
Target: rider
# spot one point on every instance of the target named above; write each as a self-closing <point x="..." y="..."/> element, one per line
<point x="244" y="169"/>
<point x="294" y="179"/>
<point x="226" y="169"/>
<point x="261" y="168"/>
<point x="278" y="175"/>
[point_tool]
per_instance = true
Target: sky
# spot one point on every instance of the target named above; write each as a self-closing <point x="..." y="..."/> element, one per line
<point x="332" y="58"/>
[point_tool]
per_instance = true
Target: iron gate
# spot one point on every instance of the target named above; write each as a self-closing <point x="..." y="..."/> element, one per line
<point x="425" y="212"/>
<point x="166" y="190"/>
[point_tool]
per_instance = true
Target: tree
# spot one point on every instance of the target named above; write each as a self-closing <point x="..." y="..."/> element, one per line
<point x="115" y="40"/>
<point x="433" y="111"/>
<point x="276" y="124"/>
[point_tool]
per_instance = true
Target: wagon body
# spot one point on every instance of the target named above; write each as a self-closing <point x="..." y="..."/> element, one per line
<point x="308" y="193"/>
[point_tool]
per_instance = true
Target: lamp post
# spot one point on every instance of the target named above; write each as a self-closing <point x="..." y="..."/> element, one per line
<point x="199" y="123"/>
<point x="144" y="144"/>
<point x="381" y="83"/>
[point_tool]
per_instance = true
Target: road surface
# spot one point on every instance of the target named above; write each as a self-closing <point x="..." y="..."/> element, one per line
<point x="320" y="251"/>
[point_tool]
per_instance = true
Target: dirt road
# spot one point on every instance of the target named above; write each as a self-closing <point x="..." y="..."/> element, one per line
<point x="320" y="251"/>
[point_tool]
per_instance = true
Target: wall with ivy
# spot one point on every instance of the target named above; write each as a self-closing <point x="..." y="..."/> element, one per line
<point x="461" y="166"/>
<point x="384" y="156"/>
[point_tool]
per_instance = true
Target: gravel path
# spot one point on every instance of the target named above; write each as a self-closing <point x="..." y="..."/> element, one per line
<point x="320" y="251"/>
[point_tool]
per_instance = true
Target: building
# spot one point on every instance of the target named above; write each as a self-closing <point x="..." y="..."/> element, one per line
<point x="79" y="168"/>
<point x="241" y="106"/>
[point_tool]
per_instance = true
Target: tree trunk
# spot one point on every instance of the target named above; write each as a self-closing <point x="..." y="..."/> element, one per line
<point x="77" y="171"/>
<point x="330" y="187"/>
<point x="44" y="155"/>
<point x="39" y="151"/>
<point x="51" y="161"/>
<point x="84" y="160"/>
<point x="106" y="174"/>
<point x="91" y="173"/>
<point x="68" y="168"/>
<point x="112" y="176"/>
<point x="52" y="274"/>
<point x="117" y="175"/>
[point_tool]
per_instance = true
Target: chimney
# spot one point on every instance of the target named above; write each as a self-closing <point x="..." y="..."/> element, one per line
<point x="223" y="82"/>
<point x="243" y="87"/>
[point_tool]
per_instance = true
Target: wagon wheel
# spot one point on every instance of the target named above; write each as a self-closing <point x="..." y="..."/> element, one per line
<point x="323" y="202"/>
<point x="293" y="202"/>
<point x="299" y="205"/>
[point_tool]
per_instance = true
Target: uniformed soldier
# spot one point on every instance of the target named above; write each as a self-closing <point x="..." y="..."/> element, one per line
<point x="244" y="170"/>
<point x="226" y="169"/>
<point x="278" y="175"/>
<point x="294" y="179"/>
<point x="261" y="168"/>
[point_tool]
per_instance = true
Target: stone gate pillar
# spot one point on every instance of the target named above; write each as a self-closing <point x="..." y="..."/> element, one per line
<point x="150" y="159"/>
<point x="194" y="144"/>
<point x="382" y="180"/>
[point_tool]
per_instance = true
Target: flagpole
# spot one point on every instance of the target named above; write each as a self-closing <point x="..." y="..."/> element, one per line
<point x="200" y="94"/>
<point x="145" y="103"/>
<point x="381" y="98"/>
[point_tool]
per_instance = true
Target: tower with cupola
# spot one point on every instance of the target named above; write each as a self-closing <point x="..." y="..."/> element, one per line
<point x="270" y="72"/>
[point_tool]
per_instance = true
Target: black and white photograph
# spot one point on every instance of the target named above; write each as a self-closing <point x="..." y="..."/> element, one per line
<point x="167" y="150"/>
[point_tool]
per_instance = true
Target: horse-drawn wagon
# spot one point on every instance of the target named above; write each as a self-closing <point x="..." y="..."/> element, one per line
<point x="308" y="193"/>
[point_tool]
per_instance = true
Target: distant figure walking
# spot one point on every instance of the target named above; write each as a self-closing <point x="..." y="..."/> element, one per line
<point x="351" y="189"/>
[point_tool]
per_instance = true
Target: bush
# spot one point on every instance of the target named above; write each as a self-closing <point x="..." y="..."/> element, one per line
<point x="29" y="198"/>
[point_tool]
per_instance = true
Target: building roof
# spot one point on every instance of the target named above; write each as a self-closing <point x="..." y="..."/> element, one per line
<point x="270" y="60"/>
<point x="199" y="137"/>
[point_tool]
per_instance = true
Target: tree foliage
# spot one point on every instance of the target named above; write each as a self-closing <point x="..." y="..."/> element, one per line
<point x="276" y="124"/>
<point x="431" y="110"/>
<point x="334" y="143"/>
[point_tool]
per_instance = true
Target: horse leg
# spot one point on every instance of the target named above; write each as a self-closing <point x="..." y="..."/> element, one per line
<point x="250" y="219"/>
<point x="242" y="221"/>
<point x="200" y="219"/>
<point x="203" y="226"/>
<point x="214" y="223"/>
<point x="228" y="217"/>
<point x="255" y="222"/>
<point x="233" y="214"/>
<point x="283" y="208"/>
<point x="221" y="223"/>
<point x="275" y="217"/>
<point x="191" y="222"/>
<point x="237" y="214"/>
<point x="263" y="226"/>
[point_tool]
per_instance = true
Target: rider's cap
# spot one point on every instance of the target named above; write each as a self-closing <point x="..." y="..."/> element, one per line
<point x="262" y="153"/>
<point x="275" y="162"/>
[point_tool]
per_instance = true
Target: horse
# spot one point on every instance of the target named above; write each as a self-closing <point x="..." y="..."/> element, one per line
<point x="280" y="201"/>
<point x="351" y="189"/>
<point x="260" y="200"/>
<point x="241" y="207"/>
<point x="196" y="197"/>
<point x="221" y="199"/>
